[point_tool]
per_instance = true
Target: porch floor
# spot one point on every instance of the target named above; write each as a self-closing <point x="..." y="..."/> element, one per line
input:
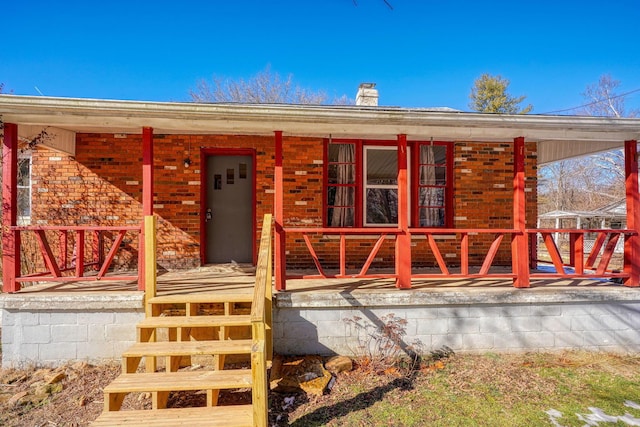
<point x="237" y="278"/>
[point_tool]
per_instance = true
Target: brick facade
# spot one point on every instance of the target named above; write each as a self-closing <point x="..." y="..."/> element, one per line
<point x="102" y="185"/>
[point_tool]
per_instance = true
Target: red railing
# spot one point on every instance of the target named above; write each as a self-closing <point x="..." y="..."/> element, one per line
<point x="80" y="249"/>
<point x="465" y="240"/>
<point x="581" y="264"/>
<point x="594" y="264"/>
<point x="380" y="234"/>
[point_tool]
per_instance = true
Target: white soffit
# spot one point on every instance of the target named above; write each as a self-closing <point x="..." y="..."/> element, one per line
<point x="61" y="140"/>
<point x="553" y="151"/>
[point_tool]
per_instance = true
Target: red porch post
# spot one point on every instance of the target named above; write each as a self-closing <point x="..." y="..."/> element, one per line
<point x="403" y="240"/>
<point x="632" y="243"/>
<point x="10" y="238"/>
<point x="278" y="204"/>
<point x="519" y="243"/>
<point x="147" y="198"/>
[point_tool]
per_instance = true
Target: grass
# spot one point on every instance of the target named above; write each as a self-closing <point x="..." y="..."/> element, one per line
<point x="482" y="390"/>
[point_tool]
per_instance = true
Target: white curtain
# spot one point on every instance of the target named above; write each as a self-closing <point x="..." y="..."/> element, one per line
<point x="429" y="214"/>
<point x="343" y="203"/>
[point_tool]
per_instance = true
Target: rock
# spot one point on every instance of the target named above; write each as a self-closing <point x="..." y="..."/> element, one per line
<point x="35" y="399"/>
<point x="300" y="374"/>
<point x="17" y="397"/>
<point x="82" y="401"/>
<point x="55" y="378"/>
<point x="44" y="388"/>
<point x="337" y="364"/>
<point x="11" y="377"/>
<point x="37" y="384"/>
<point x="41" y="373"/>
<point x="79" y="366"/>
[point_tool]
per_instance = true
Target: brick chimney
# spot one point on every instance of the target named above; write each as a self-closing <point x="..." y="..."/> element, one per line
<point x="367" y="95"/>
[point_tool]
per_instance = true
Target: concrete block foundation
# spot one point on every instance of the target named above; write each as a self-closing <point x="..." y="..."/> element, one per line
<point x="46" y="329"/>
<point x="49" y="329"/>
<point x="466" y="320"/>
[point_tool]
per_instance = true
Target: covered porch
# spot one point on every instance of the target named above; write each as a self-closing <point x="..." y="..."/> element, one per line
<point x="69" y="259"/>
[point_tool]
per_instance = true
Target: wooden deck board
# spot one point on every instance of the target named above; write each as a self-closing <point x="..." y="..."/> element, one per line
<point x="202" y="298"/>
<point x="217" y="416"/>
<point x="180" y="381"/>
<point x="188" y="348"/>
<point x="194" y="321"/>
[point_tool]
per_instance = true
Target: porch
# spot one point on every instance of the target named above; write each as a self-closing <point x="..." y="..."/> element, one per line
<point x="449" y="228"/>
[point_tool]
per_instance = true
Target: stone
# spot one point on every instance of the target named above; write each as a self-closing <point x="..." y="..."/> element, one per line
<point x="299" y="374"/>
<point x="337" y="364"/>
<point x="55" y="378"/>
<point x="82" y="401"/>
<point x="11" y="377"/>
<point x="16" y="398"/>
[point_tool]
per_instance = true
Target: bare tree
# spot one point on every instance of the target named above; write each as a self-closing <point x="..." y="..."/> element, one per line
<point x="604" y="100"/>
<point x="355" y="3"/>
<point x="580" y="184"/>
<point x="266" y="87"/>
<point x="589" y="182"/>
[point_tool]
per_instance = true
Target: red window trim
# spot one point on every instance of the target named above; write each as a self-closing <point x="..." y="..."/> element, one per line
<point x="415" y="159"/>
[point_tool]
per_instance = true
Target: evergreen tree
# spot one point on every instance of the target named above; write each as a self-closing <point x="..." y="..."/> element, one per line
<point x="489" y="95"/>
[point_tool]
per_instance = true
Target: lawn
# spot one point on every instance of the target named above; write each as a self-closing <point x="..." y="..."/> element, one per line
<point x="570" y="389"/>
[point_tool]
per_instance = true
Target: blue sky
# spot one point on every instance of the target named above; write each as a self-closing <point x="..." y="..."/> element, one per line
<point x="420" y="54"/>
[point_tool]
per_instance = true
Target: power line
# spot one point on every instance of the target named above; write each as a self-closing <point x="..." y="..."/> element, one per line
<point x="594" y="102"/>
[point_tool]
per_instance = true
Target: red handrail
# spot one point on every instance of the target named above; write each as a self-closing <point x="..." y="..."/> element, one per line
<point x="592" y="265"/>
<point x="58" y="266"/>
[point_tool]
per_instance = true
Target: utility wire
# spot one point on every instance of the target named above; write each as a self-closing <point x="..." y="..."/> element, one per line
<point x="594" y="102"/>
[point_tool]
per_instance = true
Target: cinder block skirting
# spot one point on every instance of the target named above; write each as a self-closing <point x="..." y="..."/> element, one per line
<point x="466" y="320"/>
<point x="48" y="329"/>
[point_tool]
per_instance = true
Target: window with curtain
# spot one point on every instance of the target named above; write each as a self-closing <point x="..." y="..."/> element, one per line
<point x="24" y="188"/>
<point x="341" y="185"/>
<point x="432" y="185"/>
<point x="362" y="187"/>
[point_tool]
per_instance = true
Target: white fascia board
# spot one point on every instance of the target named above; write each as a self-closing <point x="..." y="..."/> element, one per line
<point x="306" y="120"/>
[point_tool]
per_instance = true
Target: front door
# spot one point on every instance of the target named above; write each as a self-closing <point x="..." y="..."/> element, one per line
<point x="229" y="209"/>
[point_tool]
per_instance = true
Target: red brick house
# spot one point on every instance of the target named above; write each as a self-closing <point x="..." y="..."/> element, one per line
<point x="357" y="189"/>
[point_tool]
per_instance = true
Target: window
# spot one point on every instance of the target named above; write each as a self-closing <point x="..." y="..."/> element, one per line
<point x="380" y="185"/>
<point x="341" y="185"/>
<point x="432" y="185"/>
<point x="362" y="187"/>
<point x="24" y="188"/>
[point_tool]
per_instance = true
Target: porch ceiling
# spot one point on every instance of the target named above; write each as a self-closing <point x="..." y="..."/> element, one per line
<point x="558" y="136"/>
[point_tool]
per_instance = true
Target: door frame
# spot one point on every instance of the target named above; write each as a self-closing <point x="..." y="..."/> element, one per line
<point x="205" y="153"/>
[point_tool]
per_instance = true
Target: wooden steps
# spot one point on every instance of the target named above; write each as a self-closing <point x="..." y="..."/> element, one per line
<point x="216" y="416"/>
<point x="181" y="326"/>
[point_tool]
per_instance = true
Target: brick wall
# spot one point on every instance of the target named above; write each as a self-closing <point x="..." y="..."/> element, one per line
<point x="102" y="185"/>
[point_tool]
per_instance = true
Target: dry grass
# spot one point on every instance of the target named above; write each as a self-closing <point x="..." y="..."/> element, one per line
<point x="460" y="390"/>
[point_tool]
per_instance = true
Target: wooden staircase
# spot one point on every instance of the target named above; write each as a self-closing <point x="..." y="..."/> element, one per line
<point x="210" y="327"/>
